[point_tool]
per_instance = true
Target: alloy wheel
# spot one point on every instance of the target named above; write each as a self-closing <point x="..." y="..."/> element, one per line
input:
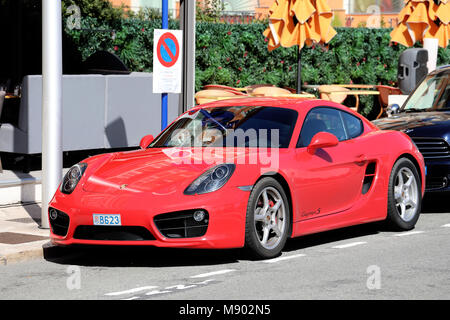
<point x="270" y="218"/>
<point x="406" y="194"/>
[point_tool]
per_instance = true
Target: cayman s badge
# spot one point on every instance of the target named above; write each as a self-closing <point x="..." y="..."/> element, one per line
<point x="123" y="186"/>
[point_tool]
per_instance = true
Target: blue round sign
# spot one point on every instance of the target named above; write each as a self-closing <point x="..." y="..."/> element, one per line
<point x="168" y="50"/>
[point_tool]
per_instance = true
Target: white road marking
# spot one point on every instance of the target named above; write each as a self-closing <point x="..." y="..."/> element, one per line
<point x="446" y="225"/>
<point x="283" y="258"/>
<point x="407" y="233"/>
<point x="204" y="275"/>
<point x="203" y="282"/>
<point x="348" y="245"/>
<point x="153" y="292"/>
<point x="181" y="287"/>
<point x="119" y="293"/>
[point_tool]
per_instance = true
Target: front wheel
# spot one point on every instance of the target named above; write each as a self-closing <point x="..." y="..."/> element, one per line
<point x="405" y="195"/>
<point x="268" y="219"/>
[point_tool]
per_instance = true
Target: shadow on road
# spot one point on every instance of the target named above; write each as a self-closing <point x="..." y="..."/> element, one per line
<point x="334" y="235"/>
<point x="139" y="256"/>
<point x="436" y="203"/>
<point x="135" y="256"/>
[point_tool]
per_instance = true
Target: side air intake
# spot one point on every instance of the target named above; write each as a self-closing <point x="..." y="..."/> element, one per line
<point x="369" y="176"/>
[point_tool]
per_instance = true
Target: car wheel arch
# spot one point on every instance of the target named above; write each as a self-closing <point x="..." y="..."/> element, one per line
<point x="416" y="164"/>
<point x="395" y="218"/>
<point x="281" y="180"/>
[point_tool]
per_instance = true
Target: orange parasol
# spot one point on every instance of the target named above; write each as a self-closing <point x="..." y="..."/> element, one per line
<point x="421" y="19"/>
<point x="299" y="22"/>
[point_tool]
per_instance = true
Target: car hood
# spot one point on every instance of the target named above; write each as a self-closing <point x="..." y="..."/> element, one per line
<point x="159" y="171"/>
<point x="435" y="123"/>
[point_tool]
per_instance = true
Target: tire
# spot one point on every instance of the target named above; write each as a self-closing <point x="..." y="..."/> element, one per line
<point x="404" y="196"/>
<point x="268" y="219"/>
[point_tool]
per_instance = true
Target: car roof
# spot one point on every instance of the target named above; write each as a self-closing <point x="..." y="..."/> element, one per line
<point x="440" y="69"/>
<point x="285" y="102"/>
<point x="295" y="103"/>
<point x="447" y="66"/>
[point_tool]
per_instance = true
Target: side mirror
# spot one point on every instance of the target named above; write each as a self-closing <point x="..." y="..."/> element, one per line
<point x="392" y="109"/>
<point x="322" y="140"/>
<point x="145" y="141"/>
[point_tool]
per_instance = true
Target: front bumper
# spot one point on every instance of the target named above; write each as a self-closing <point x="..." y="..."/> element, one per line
<point x="438" y="175"/>
<point x="226" y="210"/>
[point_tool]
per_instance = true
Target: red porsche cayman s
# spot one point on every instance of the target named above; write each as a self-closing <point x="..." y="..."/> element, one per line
<point x="247" y="172"/>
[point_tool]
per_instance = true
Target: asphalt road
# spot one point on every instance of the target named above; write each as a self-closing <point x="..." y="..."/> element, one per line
<point x="362" y="262"/>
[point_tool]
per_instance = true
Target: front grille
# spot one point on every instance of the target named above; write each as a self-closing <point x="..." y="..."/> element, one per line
<point x="432" y="148"/>
<point x="113" y="233"/>
<point x="181" y="224"/>
<point x="59" y="222"/>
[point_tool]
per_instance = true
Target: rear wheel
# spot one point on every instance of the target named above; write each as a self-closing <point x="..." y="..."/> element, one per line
<point x="405" y="195"/>
<point x="268" y="219"/>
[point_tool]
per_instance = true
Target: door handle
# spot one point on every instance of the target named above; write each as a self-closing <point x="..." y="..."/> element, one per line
<point x="361" y="159"/>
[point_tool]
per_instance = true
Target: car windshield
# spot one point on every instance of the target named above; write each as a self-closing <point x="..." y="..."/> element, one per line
<point x="432" y="94"/>
<point x="237" y="126"/>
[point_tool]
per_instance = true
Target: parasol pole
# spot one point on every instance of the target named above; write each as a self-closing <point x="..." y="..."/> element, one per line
<point x="431" y="44"/>
<point x="299" y="70"/>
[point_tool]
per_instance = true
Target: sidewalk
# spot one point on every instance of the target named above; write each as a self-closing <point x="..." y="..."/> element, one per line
<point x="20" y="236"/>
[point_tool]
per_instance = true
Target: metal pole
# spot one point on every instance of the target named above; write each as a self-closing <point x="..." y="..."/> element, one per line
<point x="164" y="96"/>
<point x="51" y="103"/>
<point x="187" y="23"/>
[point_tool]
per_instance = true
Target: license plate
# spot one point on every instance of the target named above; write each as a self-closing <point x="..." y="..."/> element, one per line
<point x="107" y="220"/>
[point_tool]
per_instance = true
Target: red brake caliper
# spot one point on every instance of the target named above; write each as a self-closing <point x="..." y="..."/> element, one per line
<point x="271" y="204"/>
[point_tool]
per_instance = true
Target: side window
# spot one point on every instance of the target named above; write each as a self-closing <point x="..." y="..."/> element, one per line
<point x="321" y="119"/>
<point x="353" y="125"/>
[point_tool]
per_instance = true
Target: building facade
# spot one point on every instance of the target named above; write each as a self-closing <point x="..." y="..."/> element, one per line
<point x="135" y="5"/>
<point x="347" y="13"/>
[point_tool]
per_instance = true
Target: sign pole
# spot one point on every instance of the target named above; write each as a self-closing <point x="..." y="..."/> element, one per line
<point x="187" y="23"/>
<point x="164" y="96"/>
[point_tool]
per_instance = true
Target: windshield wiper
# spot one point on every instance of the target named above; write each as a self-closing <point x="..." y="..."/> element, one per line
<point x="206" y="114"/>
<point x="414" y="110"/>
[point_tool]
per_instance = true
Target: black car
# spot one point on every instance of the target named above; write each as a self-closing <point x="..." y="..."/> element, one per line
<point x="425" y="117"/>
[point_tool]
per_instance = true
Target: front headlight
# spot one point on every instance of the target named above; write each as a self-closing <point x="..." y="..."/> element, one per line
<point x="72" y="178"/>
<point x="211" y="180"/>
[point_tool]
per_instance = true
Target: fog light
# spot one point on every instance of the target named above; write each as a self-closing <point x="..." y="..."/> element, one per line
<point x="199" y="215"/>
<point x="53" y="214"/>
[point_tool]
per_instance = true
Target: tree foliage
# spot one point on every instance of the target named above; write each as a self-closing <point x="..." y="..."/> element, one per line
<point x="237" y="55"/>
<point x="102" y="10"/>
<point x="209" y="10"/>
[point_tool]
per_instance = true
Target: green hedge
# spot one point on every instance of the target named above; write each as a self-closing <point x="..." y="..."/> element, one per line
<point x="237" y="55"/>
<point x="130" y="39"/>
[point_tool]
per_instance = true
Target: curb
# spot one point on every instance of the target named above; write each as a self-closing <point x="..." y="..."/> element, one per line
<point x="21" y="256"/>
<point x="45" y="251"/>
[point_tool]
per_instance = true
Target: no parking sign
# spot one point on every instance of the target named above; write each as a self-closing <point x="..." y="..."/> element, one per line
<point x="167" y="46"/>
